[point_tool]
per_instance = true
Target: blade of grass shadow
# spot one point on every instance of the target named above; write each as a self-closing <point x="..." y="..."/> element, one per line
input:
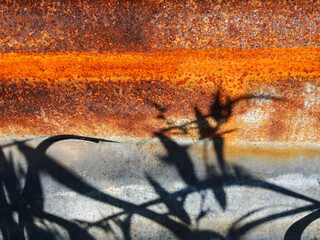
<point x="74" y="230"/>
<point x="208" y="235"/>
<point x="9" y="177"/>
<point x="178" y="156"/>
<point x="241" y="231"/>
<point x="34" y="232"/>
<point x="245" y="178"/>
<point x="295" y="231"/>
<point x="213" y="182"/>
<point x="32" y="192"/>
<point x="281" y="190"/>
<point x="10" y="229"/>
<point x="45" y="144"/>
<point x="72" y="181"/>
<point x="174" y="206"/>
<point x="125" y="226"/>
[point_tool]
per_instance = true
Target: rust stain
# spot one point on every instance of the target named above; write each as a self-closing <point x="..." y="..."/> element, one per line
<point x="97" y="68"/>
<point x="116" y="25"/>
<point x="111" y="93"/>
<point x="277" y="153"/>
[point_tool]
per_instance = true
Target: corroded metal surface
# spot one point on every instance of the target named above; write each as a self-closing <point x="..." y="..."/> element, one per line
<point x="229" y="91"/>
<point x="125" y="60"/>
<point x="114" y="94"/>
<point x="42" y="26"/>
<point x="91" y="190"/>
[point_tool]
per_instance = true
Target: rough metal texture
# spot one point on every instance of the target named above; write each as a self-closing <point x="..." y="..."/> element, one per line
<point x="239" y="48"/>
<point x="207" y="113"/>
<point x="68" y="187"/>
<point x="117" y="94"/>
<point x="42" y="26"/>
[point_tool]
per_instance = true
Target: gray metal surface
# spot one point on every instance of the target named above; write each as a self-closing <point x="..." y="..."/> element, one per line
<point x="129" y="189"/>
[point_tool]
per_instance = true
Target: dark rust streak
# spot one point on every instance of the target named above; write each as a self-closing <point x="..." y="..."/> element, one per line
<point x="118" y="108"/>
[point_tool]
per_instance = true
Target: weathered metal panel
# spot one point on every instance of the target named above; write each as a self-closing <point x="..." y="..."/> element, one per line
<point x="159" y="119"/>
<point x="50" y="26"/>
<point x="114" y="94"/>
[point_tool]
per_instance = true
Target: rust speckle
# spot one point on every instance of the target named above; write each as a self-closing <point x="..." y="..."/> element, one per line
<point x="94" y="67"/>
<point x="116" y="25"/>
<point x="111" y="93"/>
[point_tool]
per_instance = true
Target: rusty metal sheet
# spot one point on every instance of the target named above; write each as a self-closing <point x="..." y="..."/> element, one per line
<point x="50" y="26"/>
<point x="158" y="119"/>
<point x="93" y="67"/>
<point x="114" y="93"/>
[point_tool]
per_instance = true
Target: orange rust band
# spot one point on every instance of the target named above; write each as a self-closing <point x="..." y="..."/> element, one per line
<point x="112" y="94"/>
<point x="180" y="65"/>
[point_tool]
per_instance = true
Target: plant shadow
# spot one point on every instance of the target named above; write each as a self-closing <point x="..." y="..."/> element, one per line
<point x="23" y="209"/>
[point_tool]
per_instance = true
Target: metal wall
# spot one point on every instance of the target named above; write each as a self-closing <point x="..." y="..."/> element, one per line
<point x="159" y="119"/>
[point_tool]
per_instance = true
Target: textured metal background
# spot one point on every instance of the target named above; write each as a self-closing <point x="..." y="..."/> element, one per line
<point x="207" y="114"/>
<point x="49" y="26"/>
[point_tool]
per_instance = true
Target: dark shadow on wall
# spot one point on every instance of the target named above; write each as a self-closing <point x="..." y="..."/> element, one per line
<point x="296" y="229"/>
<point x="22" y="205"/>
<point x="217" y="179"/>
